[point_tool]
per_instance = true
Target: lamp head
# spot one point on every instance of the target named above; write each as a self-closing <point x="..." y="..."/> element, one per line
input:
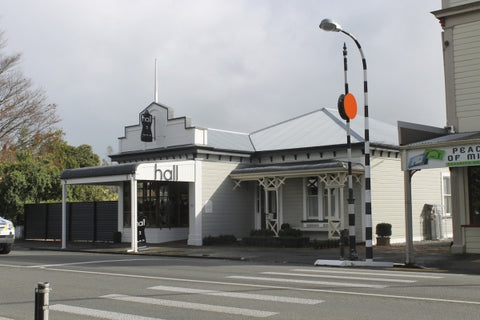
<point x="330" y="25"/>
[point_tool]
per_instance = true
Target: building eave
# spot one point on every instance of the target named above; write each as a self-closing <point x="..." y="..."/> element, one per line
<point x="456" y="10"/>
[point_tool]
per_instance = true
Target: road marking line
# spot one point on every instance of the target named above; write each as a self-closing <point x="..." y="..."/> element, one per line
<point x="337" y="277"/>
<point x="98" y="314"/>
<point x="388" y="274"/>
<point x="2" y="318"/>
<point x="252" y="285"/>
<point x="327" y="283"/>
<point x="192" y="306"/>
<point x="240" y="295"/>
<point x="88" y="262"/>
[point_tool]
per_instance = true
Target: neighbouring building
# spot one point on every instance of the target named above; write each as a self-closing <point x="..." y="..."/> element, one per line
<point x="458" y="147"/>
<point x="185" y="182"/>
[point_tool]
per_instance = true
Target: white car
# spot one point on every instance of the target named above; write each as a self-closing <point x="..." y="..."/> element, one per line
<point x="7" y="235"/>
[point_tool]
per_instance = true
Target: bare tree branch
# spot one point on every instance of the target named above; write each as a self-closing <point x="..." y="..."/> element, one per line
<point x="25" y="113"/>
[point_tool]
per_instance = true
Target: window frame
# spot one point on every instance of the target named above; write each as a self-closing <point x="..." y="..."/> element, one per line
<point x="321" y="198"/>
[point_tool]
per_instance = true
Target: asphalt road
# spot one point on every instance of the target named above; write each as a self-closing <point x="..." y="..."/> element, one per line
<point x="106" y="286"/>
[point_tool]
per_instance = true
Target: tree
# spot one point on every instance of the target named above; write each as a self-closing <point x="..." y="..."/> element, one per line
<point x="25" y="116"/>
<point x="35" y="178"/>
<point x="33" y="153"/>
<point x="27" y="179"/>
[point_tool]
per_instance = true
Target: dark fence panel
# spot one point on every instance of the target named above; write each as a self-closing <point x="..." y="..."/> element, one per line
<point x="36" y="221"/>
<point x="107" y="221"/>
<point x="86" y="221"/>
<point x="82" y="221"/>
<point x="54" y="221"/>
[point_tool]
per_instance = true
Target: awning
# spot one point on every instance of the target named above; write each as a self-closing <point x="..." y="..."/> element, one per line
<point x="97" y="175"/>
<point x="452" y="150"/>
<point x="304" y="169"/>
<point x="182" y="170"/>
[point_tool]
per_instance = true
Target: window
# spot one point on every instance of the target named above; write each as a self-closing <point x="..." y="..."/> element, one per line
<point x="474" y="194"/>
<point x="312" y="199"/>
<point x="446" y="195"/>
<point x="317" y="199"/>
<point x="333" y="203"/>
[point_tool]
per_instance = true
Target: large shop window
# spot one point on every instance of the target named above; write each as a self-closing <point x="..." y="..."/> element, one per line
<point x="163" y="204"/>
<point x="474" y="194"/>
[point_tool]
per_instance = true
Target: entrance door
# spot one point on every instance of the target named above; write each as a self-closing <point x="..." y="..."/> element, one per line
<point x="266" y="206"/>
<point x="474" y="194"/>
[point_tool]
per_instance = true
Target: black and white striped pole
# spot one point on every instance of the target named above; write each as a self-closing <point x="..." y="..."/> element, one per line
<point x="347" y="114"/>
<point x="330" y="25"/>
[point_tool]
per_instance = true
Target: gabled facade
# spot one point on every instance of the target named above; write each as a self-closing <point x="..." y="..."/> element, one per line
<point x="188" y="182"/>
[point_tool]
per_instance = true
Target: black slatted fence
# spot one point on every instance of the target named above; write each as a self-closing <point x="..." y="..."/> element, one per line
<point x="86" y="221"/>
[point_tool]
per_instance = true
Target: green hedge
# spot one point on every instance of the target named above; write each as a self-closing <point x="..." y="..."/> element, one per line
<point x="326" y="244"/>
<point x="288" y="238"/>
<point x="288" y="242"/>
<point x="219" y="240"/>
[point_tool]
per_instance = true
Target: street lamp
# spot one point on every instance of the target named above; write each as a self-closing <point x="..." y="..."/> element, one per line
<point x="330" y="25"/>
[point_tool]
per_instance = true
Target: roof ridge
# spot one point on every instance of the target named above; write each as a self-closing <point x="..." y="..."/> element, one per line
<point x="288" y="120"/>
<point x="228" y="131"/>
<point x="342" y="124"/>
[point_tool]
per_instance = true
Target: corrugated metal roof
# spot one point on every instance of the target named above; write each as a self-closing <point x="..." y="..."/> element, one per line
<point x="228" y="140"/>
<point x="323" y="127"/>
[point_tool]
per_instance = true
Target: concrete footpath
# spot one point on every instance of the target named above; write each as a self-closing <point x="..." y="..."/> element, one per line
<point x="431" y="256"/>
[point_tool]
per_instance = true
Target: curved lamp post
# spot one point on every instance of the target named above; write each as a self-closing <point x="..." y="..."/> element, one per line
<point x="330" y="25"/>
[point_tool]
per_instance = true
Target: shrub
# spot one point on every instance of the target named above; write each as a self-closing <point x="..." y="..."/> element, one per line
<point x="324" y="244"/>
<point x="285" y="226"/>
<point x="292" y="233"/>
<point x="383" y="230"/>
<point x="219" y="240"/>
<point x="262" y="233"/>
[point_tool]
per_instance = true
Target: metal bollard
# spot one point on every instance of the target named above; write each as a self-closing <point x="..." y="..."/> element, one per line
<point x="42" y="301"/>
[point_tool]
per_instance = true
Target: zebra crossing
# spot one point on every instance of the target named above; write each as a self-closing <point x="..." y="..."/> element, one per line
<point x="175" y="296"/>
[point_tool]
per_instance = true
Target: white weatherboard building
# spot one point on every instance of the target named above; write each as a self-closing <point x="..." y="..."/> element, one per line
<point x="189" y="182"/>
<point x="459" y="149"/>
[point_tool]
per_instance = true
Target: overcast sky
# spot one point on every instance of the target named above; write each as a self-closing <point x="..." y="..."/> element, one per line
<point x="238" y="65"/>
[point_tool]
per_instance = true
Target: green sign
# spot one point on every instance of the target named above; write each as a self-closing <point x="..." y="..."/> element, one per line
<point x="454" y="156"/>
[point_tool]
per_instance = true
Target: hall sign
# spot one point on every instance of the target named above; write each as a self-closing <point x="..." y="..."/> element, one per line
<point x="181" y="171"/>
<point x="166" y="174"/>
<point x="453" y="156"/>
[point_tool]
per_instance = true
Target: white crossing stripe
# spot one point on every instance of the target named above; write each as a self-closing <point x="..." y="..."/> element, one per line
<point x="327" y="283"/>
<point x="388" y="274"/>
<point x="337" y="277"/>
<point x="240" y="295"/>
<point x="192" y="306"/>
<point x="2" y="318"/>
<point x="98" y="314"/>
